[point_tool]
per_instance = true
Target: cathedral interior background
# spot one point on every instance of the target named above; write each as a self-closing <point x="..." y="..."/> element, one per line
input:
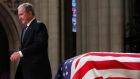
<point x="67" y="41"/>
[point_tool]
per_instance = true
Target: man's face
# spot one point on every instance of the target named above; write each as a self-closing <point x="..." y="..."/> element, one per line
<point x="24" y="16"/>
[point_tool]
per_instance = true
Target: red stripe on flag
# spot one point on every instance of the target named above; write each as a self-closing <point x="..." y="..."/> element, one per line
<point x="112" y="78"/>
<point x="108" y="54"/>
<point x="117" y="78"/>
<point x="104" y="65"/>
<point x="112" y="54"/>
<point x="113" y="64"/>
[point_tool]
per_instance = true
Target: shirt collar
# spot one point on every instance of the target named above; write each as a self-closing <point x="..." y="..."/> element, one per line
<point x="30" y="22"/>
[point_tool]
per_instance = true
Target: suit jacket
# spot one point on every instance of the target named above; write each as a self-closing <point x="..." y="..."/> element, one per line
<point x="35" y="63"/>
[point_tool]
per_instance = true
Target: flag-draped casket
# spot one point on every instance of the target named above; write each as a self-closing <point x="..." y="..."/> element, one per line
<point x="101" y="65"/>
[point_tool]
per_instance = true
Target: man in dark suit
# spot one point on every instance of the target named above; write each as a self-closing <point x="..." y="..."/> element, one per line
<point x="33" y="55"/>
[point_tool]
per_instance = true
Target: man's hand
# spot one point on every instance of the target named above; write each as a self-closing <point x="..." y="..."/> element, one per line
<point x="15" y="56"/>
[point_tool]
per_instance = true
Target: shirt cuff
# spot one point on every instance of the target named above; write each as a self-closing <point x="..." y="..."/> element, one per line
<point x="21" y="55"/>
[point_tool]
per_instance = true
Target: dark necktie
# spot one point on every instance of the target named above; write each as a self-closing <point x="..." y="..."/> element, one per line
<point x="24" y="31"/>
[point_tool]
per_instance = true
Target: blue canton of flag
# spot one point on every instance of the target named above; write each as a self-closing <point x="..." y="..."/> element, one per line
<point x="64" y="71"/>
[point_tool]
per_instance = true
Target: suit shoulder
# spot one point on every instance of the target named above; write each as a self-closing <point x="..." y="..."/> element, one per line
<point x="40" y="25"/>
<point x="39" y="21"/>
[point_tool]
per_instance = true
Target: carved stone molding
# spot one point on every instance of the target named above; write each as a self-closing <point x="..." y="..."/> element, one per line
<point x="13" y="4"/>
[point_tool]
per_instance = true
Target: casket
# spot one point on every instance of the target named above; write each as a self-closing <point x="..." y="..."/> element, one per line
<point x="101" y="65"/>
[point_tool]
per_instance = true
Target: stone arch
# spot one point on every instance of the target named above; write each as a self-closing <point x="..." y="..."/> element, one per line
<point x="12" y="29"/>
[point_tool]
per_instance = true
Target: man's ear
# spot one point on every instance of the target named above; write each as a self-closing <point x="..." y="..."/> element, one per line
<point x="30" y="13"/>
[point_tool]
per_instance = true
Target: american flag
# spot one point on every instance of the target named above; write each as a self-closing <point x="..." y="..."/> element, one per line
<point x="64" y="71"/>
<point x="101" y="65"/>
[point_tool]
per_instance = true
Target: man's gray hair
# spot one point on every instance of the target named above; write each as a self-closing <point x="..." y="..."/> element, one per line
<point x="28" y="7"/>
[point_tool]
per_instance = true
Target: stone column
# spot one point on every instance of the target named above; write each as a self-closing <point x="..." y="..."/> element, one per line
<point x="99" y="25"/>
<point x="104" y="25"/>
<point x="117" y="25"/>
<point x="92" y="25"/>
<point x="87" y="26"/>
<point x="54" y="32"/>
<point x="81" y="26"/>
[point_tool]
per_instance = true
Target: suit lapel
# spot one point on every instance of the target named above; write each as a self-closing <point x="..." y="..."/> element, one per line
<point x="28" y="32"/>
<point x="24" y="37"/>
